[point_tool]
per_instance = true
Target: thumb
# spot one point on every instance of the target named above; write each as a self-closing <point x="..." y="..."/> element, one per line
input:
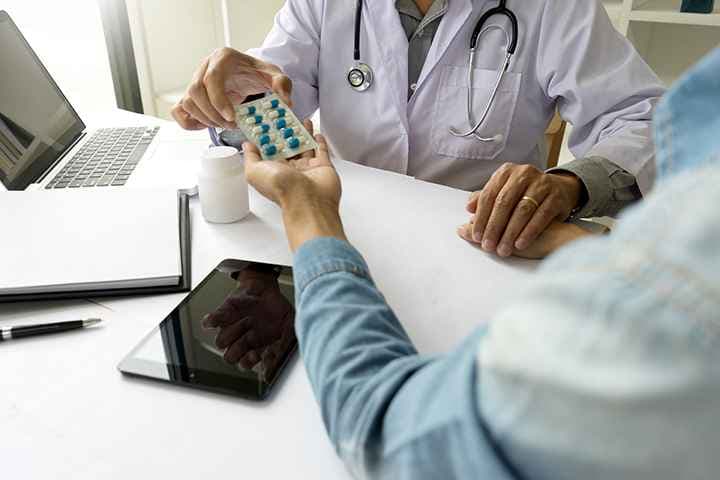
<point x="251" y="154"/>
<point x="282" y="85"/>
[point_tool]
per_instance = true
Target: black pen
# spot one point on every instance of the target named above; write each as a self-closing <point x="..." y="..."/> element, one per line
<point x="45" y="328"/>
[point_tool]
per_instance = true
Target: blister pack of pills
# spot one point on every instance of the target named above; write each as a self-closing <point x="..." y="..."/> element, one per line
<point x="273" y="128"/>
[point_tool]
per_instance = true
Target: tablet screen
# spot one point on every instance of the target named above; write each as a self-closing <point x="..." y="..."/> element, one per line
<point x="233" y="333"/>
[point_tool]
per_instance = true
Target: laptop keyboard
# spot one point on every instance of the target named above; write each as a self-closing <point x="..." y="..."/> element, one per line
<point x="106" y="159"/>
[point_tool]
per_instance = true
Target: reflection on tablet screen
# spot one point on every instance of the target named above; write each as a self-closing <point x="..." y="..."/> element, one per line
<point x="233" y="333"/>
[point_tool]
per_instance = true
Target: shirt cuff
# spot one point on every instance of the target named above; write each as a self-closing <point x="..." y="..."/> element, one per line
<point x="595" y="179"/>
<point x="325" y="255"/>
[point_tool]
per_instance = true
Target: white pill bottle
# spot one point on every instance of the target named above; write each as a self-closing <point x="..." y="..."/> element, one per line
<point x="222" y="187"/>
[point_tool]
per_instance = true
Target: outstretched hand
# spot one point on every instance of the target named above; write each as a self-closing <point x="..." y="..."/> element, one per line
<point x="307" y="188"/>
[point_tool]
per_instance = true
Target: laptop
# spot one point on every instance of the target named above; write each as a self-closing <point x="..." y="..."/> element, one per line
<point x="44" y="144"/>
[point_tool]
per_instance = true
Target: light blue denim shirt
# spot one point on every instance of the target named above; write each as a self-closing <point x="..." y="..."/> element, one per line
<point x="607" y="367"/>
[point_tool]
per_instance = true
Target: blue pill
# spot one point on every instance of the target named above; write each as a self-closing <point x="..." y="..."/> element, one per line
<point x="270" y="150"/>
<point x="264" y="128"/>
<point x="264" y="139"/>
<point x="280" y="112"/>
<point x="251" y="110"/>
<point x="282" y="123"/>
<point x="258" y="119"/>
<point x="288" y="132"/>
<point x="293" y="142"/>
<point x="274" y="103"/>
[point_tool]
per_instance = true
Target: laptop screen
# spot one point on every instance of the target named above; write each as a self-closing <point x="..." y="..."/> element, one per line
<point x="37" y="123"/>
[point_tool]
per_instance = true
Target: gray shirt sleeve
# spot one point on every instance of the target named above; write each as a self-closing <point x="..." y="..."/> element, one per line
<point x="608" y="187"/>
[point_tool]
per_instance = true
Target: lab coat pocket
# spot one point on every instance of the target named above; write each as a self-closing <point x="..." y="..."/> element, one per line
<point x="451" y="111"/>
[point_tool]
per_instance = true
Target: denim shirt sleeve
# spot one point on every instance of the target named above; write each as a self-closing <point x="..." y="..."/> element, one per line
<point x="390" y="412"/>
<point x="607" y="367"/>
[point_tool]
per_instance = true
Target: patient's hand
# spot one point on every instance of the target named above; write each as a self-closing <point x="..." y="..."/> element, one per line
<point x="554" y="237"/>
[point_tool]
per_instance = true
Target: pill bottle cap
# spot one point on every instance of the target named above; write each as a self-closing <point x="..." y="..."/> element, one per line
<point x="221" y="160"/>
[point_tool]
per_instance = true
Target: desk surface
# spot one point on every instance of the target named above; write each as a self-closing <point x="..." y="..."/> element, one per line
<point x="66" y="412"/>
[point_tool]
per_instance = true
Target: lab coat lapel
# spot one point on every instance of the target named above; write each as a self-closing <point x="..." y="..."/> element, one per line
<point x="459" y="12"/>
<point x="383" y="23"/>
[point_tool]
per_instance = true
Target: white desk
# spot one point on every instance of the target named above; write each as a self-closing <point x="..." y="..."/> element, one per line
<point x="67" y="413"/>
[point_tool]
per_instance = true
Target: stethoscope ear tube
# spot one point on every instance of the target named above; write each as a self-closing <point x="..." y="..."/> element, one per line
<point x="514" y="27"/>
<point x="511" y="43"/>
<point x="360" y="75"/>
<point x="499" y="10"/>
<point x="358" y="20"/>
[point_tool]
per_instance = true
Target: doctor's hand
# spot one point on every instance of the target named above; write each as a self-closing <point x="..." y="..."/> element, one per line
<point x="224" y="79"/>
<point x="556" y="235"/>
<point x="518" y="204"/>
<point x="307" y="189"/>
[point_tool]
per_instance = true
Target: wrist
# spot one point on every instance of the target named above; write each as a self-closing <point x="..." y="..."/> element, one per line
<point x="307" y="217"/>
<point x="573" y="188"/>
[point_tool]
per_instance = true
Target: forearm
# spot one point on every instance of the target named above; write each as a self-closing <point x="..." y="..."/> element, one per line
<point x="390" y="412"/>
<point x="307" y="217"/>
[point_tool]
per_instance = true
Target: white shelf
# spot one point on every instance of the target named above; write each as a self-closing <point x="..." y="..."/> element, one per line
<point x="615" y="10"/>
<point x="613" y="6"/>
<point x="171" y="37"/>
<point x="668" y="11"/>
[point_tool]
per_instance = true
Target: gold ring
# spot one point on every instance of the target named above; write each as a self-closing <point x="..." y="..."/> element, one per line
<point x="531" y="200"/>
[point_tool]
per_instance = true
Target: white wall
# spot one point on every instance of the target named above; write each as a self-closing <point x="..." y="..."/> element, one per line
<point x="171" y="37"/>
<point x="68" y="37"/>
<point x="250" y="21"/>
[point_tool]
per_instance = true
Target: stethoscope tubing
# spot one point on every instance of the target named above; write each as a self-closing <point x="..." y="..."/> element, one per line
<point x="511" y="40"/>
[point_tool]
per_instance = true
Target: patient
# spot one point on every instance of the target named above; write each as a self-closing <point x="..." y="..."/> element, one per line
<point x="608" y="367"/>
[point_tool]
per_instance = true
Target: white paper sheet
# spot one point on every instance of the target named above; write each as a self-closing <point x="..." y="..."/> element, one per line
<point x="72" y="239"/>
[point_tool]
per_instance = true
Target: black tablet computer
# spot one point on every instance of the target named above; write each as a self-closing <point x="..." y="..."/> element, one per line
<point x="234" y="333"/>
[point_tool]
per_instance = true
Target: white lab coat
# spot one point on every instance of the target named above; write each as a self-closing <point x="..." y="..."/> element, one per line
<point x="569" y="56"/>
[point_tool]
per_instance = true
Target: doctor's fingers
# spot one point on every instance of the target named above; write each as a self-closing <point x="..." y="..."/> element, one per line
<point x="486" y="200"/>
<point x="521" y="178"/>
<point x="550" y="210"/>
<point x="184" y="119"/>
<point x="524" y="212"/>
<point x="219" y="108"/>
<point x="282" y="85"/>
<point x="194" y="111"/>
<point x="197" y="94"/>
<point x="472" y="202"/>
<point x="242" y="74"/>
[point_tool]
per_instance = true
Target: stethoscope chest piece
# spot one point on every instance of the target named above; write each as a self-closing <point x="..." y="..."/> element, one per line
<point x="360" y="77"/>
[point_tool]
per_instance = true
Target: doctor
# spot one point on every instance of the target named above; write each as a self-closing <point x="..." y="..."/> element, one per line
<point x="390" y="79"/>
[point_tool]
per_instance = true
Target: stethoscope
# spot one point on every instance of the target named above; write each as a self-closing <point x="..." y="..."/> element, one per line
<point x="360" y="75"/>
